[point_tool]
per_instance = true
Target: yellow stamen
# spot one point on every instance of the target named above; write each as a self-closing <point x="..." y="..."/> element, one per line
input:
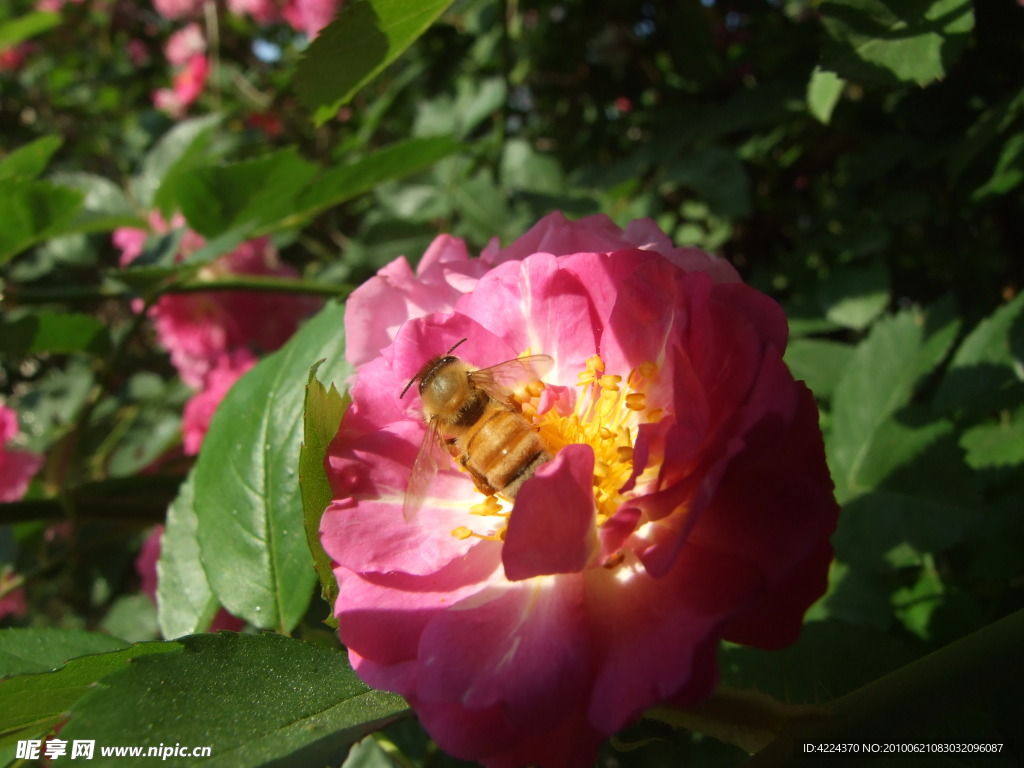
<point x="636" y="401"/>
<point x="607" y="416"/>
<point x="489" y="506"/>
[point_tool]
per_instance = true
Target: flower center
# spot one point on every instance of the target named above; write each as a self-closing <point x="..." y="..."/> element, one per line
<point x="606" y="416"/>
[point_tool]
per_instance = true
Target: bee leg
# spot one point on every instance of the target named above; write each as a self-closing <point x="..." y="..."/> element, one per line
<point x="453" y="449"/>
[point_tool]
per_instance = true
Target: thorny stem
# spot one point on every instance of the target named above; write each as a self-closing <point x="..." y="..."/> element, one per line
<point x="26" y="296"/>
<point x="101" y="388"/>
<point x="213" y="34"/>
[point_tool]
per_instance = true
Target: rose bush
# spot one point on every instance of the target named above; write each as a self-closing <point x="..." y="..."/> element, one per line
<point x="688" y="500"/>
<point x="17" y="467"/>
<point x="201" y="330"/>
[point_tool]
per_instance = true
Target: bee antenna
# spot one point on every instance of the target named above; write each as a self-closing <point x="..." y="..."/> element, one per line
<point x="461" y="341"/>
<point x="413" y="379"/>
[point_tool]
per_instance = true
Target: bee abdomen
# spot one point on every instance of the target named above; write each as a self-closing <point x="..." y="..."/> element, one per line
<point x="505" y="450"/>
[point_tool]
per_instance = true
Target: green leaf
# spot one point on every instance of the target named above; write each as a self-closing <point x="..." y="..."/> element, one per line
<point x="807" y="670"/>
<point x="483" y="207"/>
<point x="894" y="510"/>
<point x="322" y="414"/>
<point x="717" y="176"/>
<point x="858" y="596"/>
<point x="884" y="455"/>
<point x="855" y="294"/>
<point x="823" y="92"/>
<point x="367" y="754"/>
<point x="146" y="425"/>
<point x="879" y="381"/>
<point x="1008" y="173"/>
<point x="819" y="362"/>
<point x="522" y="167"/>
<point x="218" y="198"/>
<point x="188" y="144"/>
<point x="26" y="651"/>
<point x="985" y="372"/>
<point x="914" y="605"/>
<point x="105" y="206"/>
<point x="247" y="498"/>
<point x="27" y="26"/>
<point x="32" y="211"/>
<point x="30" y="160"/>
<point x="879" y="42"/>
<point x="996" y="444"/>
<point x="254" y="699"/>
<point x="185" y="602"/>
<point x="362" y="41"/>
<point x="55" y="332"/>
<point x="132" y="617"/>
<point x="475" y="101"/>
<point x="30" y="705"/>
<point x="344" y="182"/>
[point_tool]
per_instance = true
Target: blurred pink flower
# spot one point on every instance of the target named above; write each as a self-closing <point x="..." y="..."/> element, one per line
<point x="306" y="16"/>
<point x="187" y="86"/>
<point x="268" y="122"/>
<point x="310" y="16"/>
<point x="262" y="11"/>
<point x="17" y="468"/>
<point x="12" y="600"/>
<point x="138" y="53"/>
<point x="687" y="501"/>
<point x="13" y="58"/>
<point x="200" y="329"/>
<point x="146" y="567"/>
<point x="177" y="9"/>
<point x="187" y="42"/>
<point x="200" y="409"/>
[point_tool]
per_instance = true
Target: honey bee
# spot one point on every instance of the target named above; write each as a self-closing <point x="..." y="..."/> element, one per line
<point x="470" y="412"/>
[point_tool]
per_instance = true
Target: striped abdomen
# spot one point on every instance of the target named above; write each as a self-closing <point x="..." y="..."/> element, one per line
<point x="501" y="450"/>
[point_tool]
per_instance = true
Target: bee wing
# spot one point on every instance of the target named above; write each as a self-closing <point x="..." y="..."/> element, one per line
<point x="424" y="468"/>
<point x="500" y="380"/>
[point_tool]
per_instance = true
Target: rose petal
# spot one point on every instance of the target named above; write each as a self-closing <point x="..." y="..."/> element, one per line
<point x="524" y="647"/>
<point x="552" y="526"/>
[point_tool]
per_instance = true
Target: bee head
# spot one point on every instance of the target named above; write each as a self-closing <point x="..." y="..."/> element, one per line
<point x="431" y="368"/>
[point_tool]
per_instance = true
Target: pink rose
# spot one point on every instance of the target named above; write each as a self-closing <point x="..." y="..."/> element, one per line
<point x="200" y="329"/>
<point x="184" y="44"/>
<point x="310" y="16"/>
<point x="138" y="53"/>
<point x="12" y="601"/>
<point x="17" y="468"/>
<point x="186" y="87"/>
<point x="262" y="11"/>
<point x="14" y="58"/>
<point x="177" y="9"/>
<point x="687" y="500"/>
<point x="195" y="421"/>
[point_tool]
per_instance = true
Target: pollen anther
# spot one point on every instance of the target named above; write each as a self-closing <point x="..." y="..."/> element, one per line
<point x="636" y="401"/>
<point x="607" y="416"/>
